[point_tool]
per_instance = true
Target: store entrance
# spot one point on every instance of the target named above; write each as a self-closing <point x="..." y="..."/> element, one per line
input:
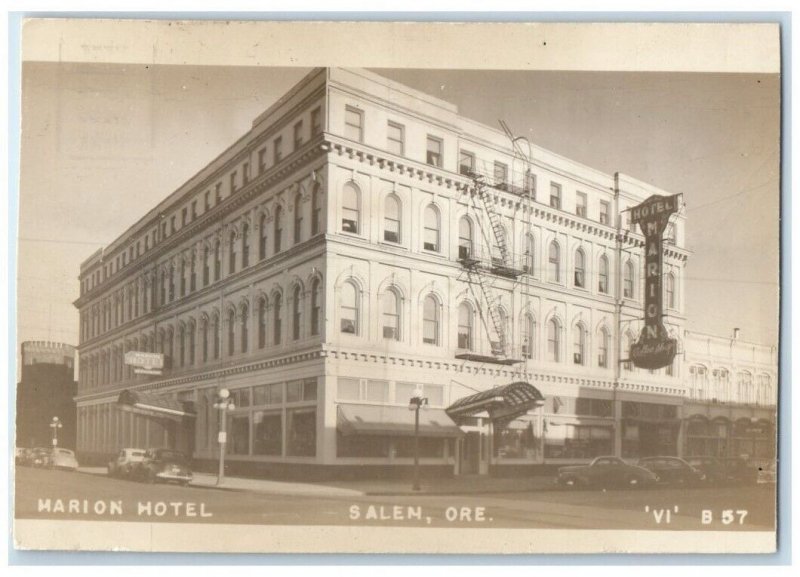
<point x="471" y="453"/>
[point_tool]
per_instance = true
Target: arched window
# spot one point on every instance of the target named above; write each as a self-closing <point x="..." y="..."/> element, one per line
<point x="296" y="313"/>
<point x="528" y="336"/>
<point x="262" y="237"/>
<point x="217" y="260"/>
<point x="530" y="251"/>
<point x="554" y="262"/>
<point x="170" y="338"/>
<point x="351" y="208"/>
<point x="245" y="245"/>
<point x="183" y="285"/>
<point x="430" y="321"/>
<point x="349" y="309"/>
<point x="171" y="286"/>
<point x="602" y="275"/>
<point x="580" y="269"/>
<point x="669" y="289"/>
<point x="245" y="327"/>
<point x="578" y="345"/>
<point x="316" y="303"/>
<point x="278" y="230"/>
<point x="465" y="327"/>
<point x="431" y="232"/>
<point x="698" y="384"/>
<point x="262" y="322"/>
<point x="216" y="335"/>
<point x="627" y="280"/>
<point x="465" y="243"/>
<point x="192" y="328"/>
<point x="192" y="273"/>
<point x="602" y="349"/>
<point x="390" y="315"/>
<point x="204" y="339"/>
<point x="553" y="340"/>
<point x="298" y="217"/>
<point x="316" y="209"/>
<point x="391" y="219"/>
<point x="744" y="387"/>
<point x="232" y="254"/>
<point x="277" y="318"/>
<point x="231" y="331"/>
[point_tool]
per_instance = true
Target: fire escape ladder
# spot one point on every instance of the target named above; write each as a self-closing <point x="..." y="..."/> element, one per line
<point x="494" y="220"/>
<point x="498" y="347"/>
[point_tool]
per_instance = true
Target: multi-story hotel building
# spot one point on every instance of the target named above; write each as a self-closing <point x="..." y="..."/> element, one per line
<point x="364" y="242"/>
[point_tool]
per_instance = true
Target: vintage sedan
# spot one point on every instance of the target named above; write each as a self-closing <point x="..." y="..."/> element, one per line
<point x="40" y="457"/>
<point x="673" y="470"/>
<point x="63" y="459"/>
<point x="124" y="462"/>
<point x="163" y="465"/>
<point x="714" y="470"/>
<point x="605" y="472"/>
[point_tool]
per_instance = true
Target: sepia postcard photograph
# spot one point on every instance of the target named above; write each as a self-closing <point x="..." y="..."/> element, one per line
<point x="385" y="287"/>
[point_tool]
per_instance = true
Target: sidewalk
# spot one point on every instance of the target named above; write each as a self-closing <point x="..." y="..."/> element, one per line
<point x="468" y="485"/>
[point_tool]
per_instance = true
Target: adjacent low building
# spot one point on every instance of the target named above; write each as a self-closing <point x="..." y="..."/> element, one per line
<point x="364" y="243"/>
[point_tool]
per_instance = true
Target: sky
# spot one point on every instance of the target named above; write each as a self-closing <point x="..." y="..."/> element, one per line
<point x="102" y="144"/>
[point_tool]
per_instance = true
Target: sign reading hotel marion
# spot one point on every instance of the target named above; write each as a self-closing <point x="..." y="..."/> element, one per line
<point x="654" y="349"/>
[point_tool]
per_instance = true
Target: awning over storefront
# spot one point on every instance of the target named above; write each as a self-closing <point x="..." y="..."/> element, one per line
<point x="355" y="419"/>
<point x="152" y="405"/>
<point x="503" y="404"/>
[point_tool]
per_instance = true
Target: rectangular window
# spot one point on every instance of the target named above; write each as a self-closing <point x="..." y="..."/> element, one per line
<point x="267" y="433"/>
<point x="501" y="175"/>
<point x="348" y="390"/>
<point x="605" y="212"/>
<point x="434" y="151"/>
<point x="194" y="209"/>
<point x="277" y="150"/>
<point x="298" y="134"/>
<point x="395" y="138"/>
<point x="294" y="391"/>
<point x="316" y="121"/>
<point x="207" y="201"/>
<point x="466" y="163"/>
<point x="555" y="195"/>
<point x="262" y="160"/>
<point x="301" y="432"/>
<point x="378" y="391"/>
<point x="218" y="193"/>
<point x="530" y="184"/>
<point x="245" y="173"/>
<point x="233" y="182"/>
<point x="580" y="204"/>
<point x="184" y="212"/>
<point x="354" y="124"/>
<point x="239" y="435"/>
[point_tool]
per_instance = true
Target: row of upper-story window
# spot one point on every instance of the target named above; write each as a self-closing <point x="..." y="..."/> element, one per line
<point x="267" y="155"/>
<point x="216" y="336"/>
<point x="498" y="175"/>
<point x="393" y="230"/>
<point x="204" y="267"/>
<point x="523" y="343"/>
<point x="720" y="386"/>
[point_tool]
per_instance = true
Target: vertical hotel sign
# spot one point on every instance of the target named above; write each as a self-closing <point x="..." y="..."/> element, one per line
<point x="654" y="349"/>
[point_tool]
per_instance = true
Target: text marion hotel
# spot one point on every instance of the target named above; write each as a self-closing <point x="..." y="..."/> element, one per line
<point x="363" y="240"/>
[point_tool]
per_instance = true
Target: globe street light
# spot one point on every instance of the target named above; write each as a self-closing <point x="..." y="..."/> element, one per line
<point x="55" y="424"/>
<point x="415" y="404"/>
<point x="224" y="403"/>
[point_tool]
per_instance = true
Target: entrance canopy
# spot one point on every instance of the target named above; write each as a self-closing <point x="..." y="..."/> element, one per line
<point x="152" y="405"/>
<point x="503" y="404"/>
<point x="355" y="419"/>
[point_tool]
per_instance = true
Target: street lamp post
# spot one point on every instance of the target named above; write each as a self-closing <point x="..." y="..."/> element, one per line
<point x="415" y="404"/>
<point x="55" y="424"/>
<point x="224" y="403"/>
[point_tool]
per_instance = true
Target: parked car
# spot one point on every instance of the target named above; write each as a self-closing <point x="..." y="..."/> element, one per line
<point x="40" y="457"/>
<point x="63" y="459"/>
<point x="22" y="457"/>
<point x="164" y="465"/>
<point x="673" y="470"/>
<point x="605" y="472"/>
<point x="125" y="462"/>
<point x="739" y="470"/>
<point x="714" y="470"/>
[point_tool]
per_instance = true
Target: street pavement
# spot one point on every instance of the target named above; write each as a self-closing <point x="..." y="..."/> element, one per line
<point x="46" y="494"/>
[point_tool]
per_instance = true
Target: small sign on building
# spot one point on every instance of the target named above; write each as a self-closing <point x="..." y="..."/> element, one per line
<point x="145" y="363"/>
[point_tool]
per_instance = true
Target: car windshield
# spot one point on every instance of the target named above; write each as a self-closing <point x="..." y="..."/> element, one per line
<point x="137" y="453"/>
<point x="170" y="456"/>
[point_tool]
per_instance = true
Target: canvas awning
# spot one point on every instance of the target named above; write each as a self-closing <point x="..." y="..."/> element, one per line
<point x="503" y="403"/>
<point x="152" y="405"/>
<point x="353" y="419"/>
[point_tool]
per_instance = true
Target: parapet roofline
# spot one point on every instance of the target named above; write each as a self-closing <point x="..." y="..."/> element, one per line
<point x="725" y="338"/>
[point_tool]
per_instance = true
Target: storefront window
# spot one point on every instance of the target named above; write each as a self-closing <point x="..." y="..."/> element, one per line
<point x="239" y="435"/>
<point x="593" y="407"/>
<point x="578" y="442"/>
<point x="348" y="389"/>
<point x="301" y="432"/>
<point x="516" y="441"/>
<point x="268" y="394"/>
<point x="378" y="391"/>
<point x="362" y="446"/>
<point x="267" y="433"/>
<point x="429" y="448"/>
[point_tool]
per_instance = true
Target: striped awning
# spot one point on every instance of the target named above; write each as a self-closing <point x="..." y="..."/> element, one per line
<point x="152" y="405"/>
<point x="503" y="403"/>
